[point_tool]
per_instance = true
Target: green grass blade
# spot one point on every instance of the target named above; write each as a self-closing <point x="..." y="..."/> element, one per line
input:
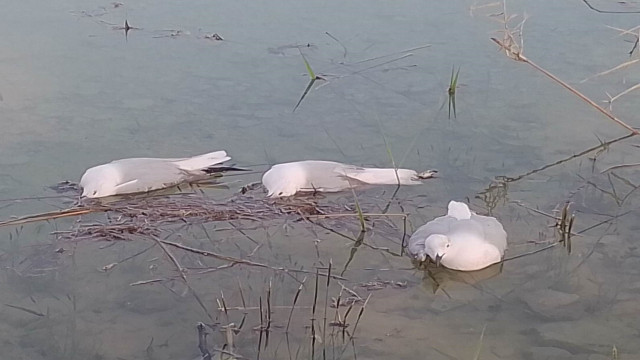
<point x="453" y="85"/>
<point x="306" y="91"/>
<point x="455" y="79"/>
<point x="312" y="75"/>
<point x="453" y="102"/>
<point x="356" y="245"/>
<point x="363" y="228"/>
<point x="452" y="89"/>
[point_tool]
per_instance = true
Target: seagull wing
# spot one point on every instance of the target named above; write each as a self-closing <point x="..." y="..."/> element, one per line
<point x="441" y="225"/>
<point x="493" y="232"/>
<point x="138" y="175"/>
<point x="327" y="176"/>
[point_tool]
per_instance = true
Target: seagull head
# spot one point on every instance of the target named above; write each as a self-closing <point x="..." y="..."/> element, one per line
<point x="436" y="247"/>
<point x="96" y="190"/>
<point x="100" y="181"/>
<point x="284" y="179"/>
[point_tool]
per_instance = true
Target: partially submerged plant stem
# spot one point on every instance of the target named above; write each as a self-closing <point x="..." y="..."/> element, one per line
<point x="451" y="91"/>
<point x="363" y="227"/>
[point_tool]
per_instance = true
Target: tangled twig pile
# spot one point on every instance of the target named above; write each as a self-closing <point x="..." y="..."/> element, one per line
<point x="146" y="216"/>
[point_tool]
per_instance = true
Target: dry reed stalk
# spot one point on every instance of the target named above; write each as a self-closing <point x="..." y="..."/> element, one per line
<point x="147" y="216"/>
<point x="531" y="252"/>
<point x="268" y="328"/>
<point x="254" y="308"/>
<point x="241" y="261"/>
<point x="614" y="98"/>
<point x="600" y="147"/>
<point x="313" y="317"/>
<point x="606" y="72"/>
<point x="74" y="211"/>
<point x="355" y="326"/>
<point x="173" y="259"/>
<point x="184" y="208"/>
<point x="621" y="166"/>
<point x="475" y="7"/>
<point x="293" y="305"/>
<point x="326" y="306"/>
<point x="514" y="50"/>
<point x="325" y="216"/>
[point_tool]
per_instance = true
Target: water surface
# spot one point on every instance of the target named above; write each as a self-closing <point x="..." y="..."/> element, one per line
<point x="76" y="92"/>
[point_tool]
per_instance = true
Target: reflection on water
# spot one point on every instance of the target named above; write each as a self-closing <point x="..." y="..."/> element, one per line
<point x="440" y="277"/>
<point x="76" y="92"/>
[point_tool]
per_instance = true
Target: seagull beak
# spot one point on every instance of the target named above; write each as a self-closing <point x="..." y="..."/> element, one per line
<point x="438" y="258"/>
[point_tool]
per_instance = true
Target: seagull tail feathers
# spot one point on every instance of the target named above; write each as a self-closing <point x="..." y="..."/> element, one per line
<point x="384" y="176"/>
<point x="203" y="161"/>
<point x="223" y="168"/>
<point x="459" y="210"/>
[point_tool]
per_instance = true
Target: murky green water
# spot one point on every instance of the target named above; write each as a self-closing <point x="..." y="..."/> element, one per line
<point x="75" y="93"/>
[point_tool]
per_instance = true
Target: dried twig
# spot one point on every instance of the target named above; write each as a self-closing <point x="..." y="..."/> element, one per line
<point x="514" y="50"/>
<point x="173" y="259"/>
<point x="621" y="166"/>
<point x="242" y="261"/>
<point x="52" y="215"/>
<point x="607" y="11"/>
<point x="614" y="98"/>
<point x="621" y="66"/>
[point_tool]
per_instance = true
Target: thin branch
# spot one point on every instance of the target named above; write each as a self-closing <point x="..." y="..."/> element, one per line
<point x="621" y="66"/>
<point x="322" y="216"/>
<point x="519" y="57"/>
<point x="601" y="146"/>
<point x="52" y="215"/>
<point x="239" y="260"/>
<point x="614" y="98"/>
<point x="608" y="11"/>
<point x="173" y="259"/>
<point x="532" y="252"/>
<point x="619" y="167"/>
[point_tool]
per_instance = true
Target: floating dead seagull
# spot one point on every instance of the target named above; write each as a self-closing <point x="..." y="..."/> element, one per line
<point x="328" y="176"/>
<point x="460" y="240"/>
<point x="145" y="174"/>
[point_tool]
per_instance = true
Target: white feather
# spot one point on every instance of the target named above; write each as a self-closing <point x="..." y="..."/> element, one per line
<point x="202" y="162"/>
<point x="462" y="239"/>
<point x="328" y="176"/>
<point x="145" y="174"/>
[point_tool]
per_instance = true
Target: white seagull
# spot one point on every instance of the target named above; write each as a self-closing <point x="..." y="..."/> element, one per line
<point x="328" y="176"/>
<point x="460" y="240"/>
<point x="134" y="175"/>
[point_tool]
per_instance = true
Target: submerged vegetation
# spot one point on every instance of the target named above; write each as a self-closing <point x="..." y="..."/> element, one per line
<point x="333" y="309"/>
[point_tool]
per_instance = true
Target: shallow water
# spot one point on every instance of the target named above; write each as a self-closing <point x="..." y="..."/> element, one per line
<point x="76" y="92"/>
